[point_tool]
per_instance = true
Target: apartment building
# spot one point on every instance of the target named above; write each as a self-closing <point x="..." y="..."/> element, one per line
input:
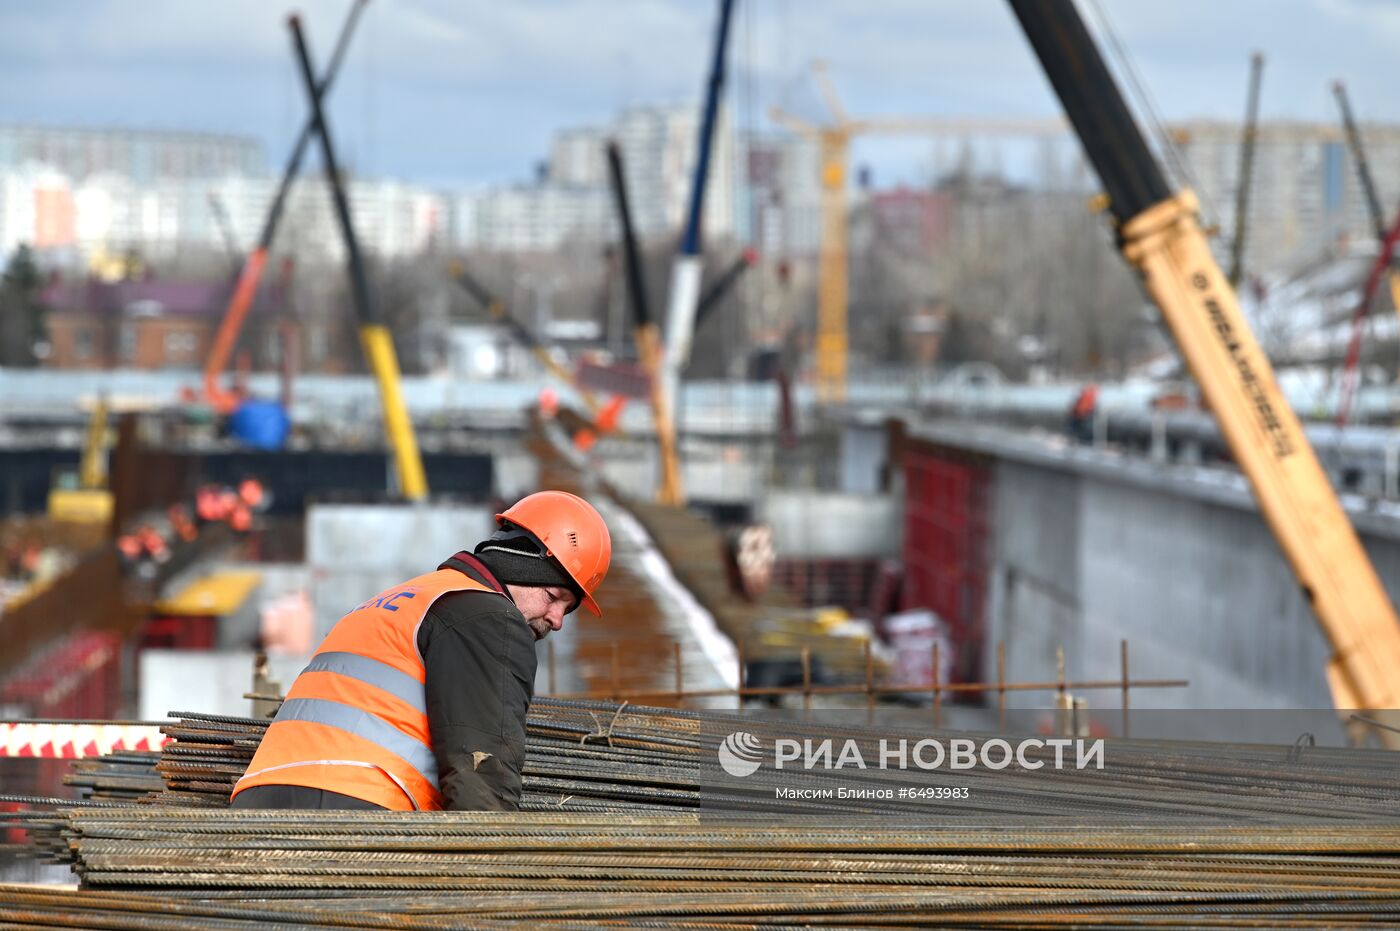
<point x="1305" y="195"/>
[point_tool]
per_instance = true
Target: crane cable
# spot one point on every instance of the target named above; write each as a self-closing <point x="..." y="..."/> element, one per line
<point x="1176" y="160"/>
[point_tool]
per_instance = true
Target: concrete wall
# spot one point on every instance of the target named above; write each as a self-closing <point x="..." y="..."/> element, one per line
<point x="710" y="471"/>
<point x="827" y="525"/>
<point x="209" y="682"/>
<point x="862" y="456"/>
<point x="1089" y="548"/>
<point x="356" y="551"/>
<point x="1033" y="602"/>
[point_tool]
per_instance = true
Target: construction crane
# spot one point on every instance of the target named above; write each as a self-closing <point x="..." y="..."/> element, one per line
<point x="716" y="292"/>
<point x="1363" y="171"/>
<point x="246" y="290"/>
<point x="670" y="488"/>
<point x="225" y="225"/>
<point x="1160" y="235"/>
<point x="1251" y="130"/>
<point x="375" y="337"/>
<point x="1385" y="240"/>
<point x="685" y="270"/>
<point x="834" y="142"/>
<point x="496" y="309"/>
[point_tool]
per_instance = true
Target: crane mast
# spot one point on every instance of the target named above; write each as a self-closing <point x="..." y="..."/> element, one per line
<point x="1160" y="235"/>
<point x="1251" y="135"/>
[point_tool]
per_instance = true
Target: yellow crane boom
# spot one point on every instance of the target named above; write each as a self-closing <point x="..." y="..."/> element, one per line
<point x="1161" y="236"/>
<point x="834" y="143"/>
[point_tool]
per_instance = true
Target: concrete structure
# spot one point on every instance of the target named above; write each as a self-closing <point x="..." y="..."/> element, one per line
<point x="206" y="682"/>
<point x="1087" y="548"/>
<point x="827" y="525"/>
<point x="357" y="550"/>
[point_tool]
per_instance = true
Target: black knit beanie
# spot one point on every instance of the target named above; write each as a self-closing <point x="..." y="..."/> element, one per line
<point x="515" y="556"/>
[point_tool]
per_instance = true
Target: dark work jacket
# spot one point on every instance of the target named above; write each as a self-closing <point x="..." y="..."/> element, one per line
<point x="479" y="661"/>
<point x="479" y="657"/>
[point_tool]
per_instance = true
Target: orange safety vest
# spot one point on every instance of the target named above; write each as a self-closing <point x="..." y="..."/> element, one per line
<point x="1086" y="402"/>
<point x="356" y="719"/>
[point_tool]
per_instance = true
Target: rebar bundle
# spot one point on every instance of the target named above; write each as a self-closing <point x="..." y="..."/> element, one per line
<point x="601" y="756"/>
<point x="626" y="823"/>
<point x="692" y="870"/>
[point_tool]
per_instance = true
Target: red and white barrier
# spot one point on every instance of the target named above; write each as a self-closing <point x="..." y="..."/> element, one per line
<point x="73" y="741"/>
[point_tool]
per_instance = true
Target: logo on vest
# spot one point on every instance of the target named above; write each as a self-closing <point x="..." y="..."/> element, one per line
<point x="385" y="601"/>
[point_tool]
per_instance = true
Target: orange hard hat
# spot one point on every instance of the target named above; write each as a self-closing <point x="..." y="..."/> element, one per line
<point x="573" y="534"/>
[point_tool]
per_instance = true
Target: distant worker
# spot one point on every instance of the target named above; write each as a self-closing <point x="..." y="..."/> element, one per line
<point x="416" y="699"/>
<point x="1081" y="414"/>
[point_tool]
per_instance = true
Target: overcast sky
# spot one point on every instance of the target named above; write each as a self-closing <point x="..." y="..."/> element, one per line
<point x="468" y="92"/>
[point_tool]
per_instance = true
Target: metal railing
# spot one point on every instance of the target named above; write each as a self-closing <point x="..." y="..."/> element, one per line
<point x="938" y="691"/>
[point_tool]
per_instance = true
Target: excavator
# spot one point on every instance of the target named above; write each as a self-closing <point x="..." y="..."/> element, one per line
<point x="1159" y="234"/>
<point x="90" y="502"/>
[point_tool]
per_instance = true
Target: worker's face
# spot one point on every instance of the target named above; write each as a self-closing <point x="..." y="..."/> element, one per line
<point x="544" y="608"/>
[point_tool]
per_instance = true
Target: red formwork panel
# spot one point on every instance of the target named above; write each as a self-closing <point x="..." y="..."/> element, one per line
<point x="172" y="632"/>
<point x="78" y="678"/>
<point x="945" y="544"/>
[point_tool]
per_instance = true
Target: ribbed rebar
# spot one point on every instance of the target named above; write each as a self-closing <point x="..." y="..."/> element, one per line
<point x="620" y="826"/>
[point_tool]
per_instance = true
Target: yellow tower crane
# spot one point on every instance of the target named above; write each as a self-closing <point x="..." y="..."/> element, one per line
<point x="834" y="142"/>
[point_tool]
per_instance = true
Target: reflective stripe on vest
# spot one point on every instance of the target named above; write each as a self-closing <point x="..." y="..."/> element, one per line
<point x="376" y="730"/>
<point x="372" y="672"/>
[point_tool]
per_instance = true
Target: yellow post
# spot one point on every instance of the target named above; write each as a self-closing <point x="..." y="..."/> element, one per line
<point x="671" y="490"/>
<point x="379" y="350"/>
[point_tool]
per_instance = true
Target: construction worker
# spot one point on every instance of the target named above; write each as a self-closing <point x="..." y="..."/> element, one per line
<point x="1080" y="425"/>
<point x="416" y="699"/>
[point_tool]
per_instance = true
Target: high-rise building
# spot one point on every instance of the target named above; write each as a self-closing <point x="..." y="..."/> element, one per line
<point x="111" y="214"/>
<point x="531" y="217"/>
<point x="574" y="200"/>
<point x="778" y="194"/>
<point x="1305" y="194"/>
<point x="141" y="155"/>
<point x="659" y="148"/>
<point x="36" y="207"/>
<point x="86" y="194"/>
<point x="576" y="157"/>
